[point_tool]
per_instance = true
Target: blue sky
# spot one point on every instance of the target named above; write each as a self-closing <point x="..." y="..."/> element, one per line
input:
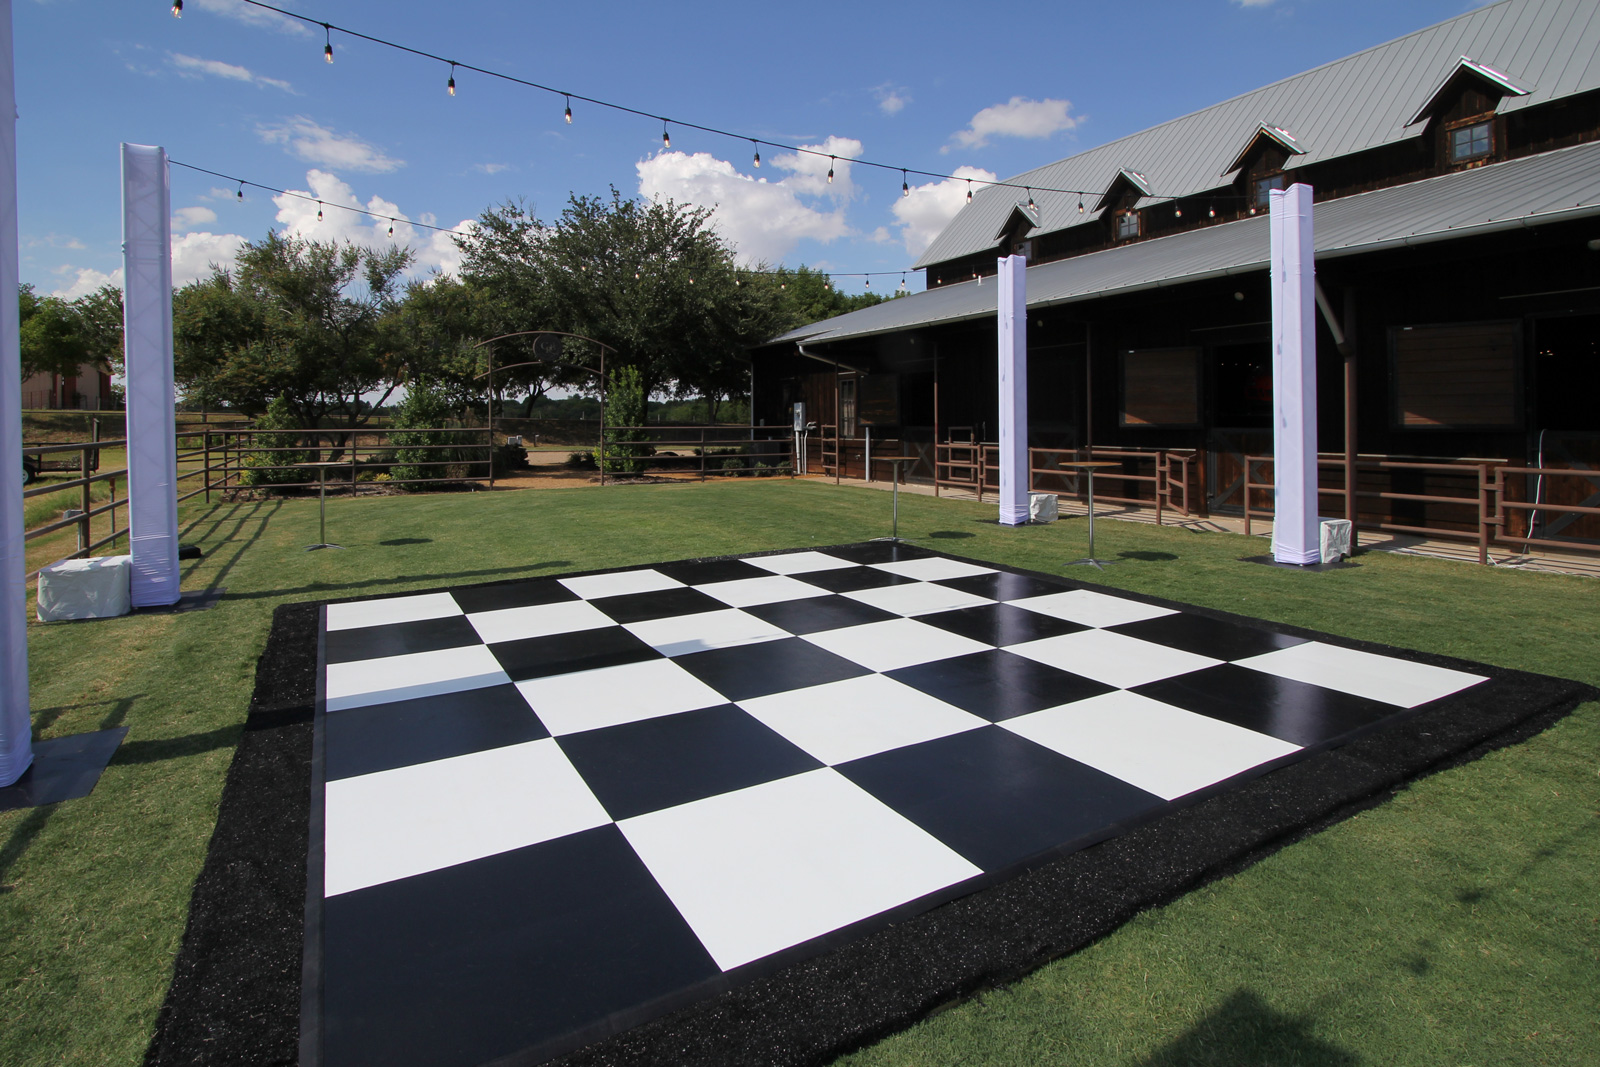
<point x="944" y="87"/>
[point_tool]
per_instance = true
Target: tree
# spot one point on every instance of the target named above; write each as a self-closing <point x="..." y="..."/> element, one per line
<point x="100" y="326"/>
<point x="626" y="409"/>
<point x="307" y="322"/>
<point x="809" y="296"/>
<point x="51" y="335"/>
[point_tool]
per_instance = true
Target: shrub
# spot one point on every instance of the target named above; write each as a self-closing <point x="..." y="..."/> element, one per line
<point x="626" y="452"/>
<point x="257" y="465"/>
<point x="421" y="453"/>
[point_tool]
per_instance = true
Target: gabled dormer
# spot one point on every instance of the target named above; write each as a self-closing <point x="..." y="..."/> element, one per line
<point x="1012" y="237"/>
<point x="1461" y="113"/>
<point x="1120" y="203"/>
<point x="1260" y="164"/>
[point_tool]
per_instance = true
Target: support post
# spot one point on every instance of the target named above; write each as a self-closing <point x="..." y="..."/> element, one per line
<point x="1295" y="523"/>
<point x="147" y="327"/>
<point x="1013" y="334"/>
<point x="16" y="728"/>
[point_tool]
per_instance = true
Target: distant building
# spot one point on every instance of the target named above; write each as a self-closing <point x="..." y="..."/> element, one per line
<point x="88" y="390"/>
<point x="1456" y="173"/>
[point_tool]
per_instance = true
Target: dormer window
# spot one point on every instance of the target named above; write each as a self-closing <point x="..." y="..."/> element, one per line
<point x="1473" y="140"/>
<point x="1261" y="190"/>
<point x="1127" y="225"/>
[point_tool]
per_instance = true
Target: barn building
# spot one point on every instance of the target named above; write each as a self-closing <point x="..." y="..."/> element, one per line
<point x="1456" y="174"/>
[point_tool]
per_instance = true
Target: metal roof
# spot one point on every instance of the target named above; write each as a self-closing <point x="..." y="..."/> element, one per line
<point x="1553" y="187"/>
<point x="1551" y="48"/>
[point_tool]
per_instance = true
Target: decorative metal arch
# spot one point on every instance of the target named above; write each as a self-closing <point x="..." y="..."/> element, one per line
<point x="600" y="452"/>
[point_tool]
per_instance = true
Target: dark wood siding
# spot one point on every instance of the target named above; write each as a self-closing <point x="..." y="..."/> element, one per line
<point x="1456" y="377"/>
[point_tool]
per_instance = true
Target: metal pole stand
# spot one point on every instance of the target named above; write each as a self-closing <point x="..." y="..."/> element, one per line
<point x="895" y="466"/>
<point x="322" y="513"/>
<point x="1089" y="559"/>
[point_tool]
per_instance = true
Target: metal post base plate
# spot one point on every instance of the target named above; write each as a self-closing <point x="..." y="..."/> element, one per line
<point x="313" y="548"/>
<point x="1090" y="561"/>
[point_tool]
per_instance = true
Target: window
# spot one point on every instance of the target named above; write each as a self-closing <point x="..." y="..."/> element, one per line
<point x="1462" y="376"/>
<point x="1261" y="190"/>
<point x="1471" y="142"/>
<point x="1161" y="387"/>
<point x="847" y="407"/>
<point x="1127" y="224"/>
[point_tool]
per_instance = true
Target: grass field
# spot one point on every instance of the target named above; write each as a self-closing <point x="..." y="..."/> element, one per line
<point x="1457" y="924"/>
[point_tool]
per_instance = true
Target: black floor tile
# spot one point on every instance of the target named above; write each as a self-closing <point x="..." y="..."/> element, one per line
<point x="816" y="614"/>
<point x="385" y="736"/>
<point x="581" y="650"/>
<point x="712" y="570"/>
<point x="399" y="639"/>
<point x="645" y="766"/>
<point x="1207" y="637"/>
<point x="997" y="798"/>
<point x="1297" y="712"/>
<point x="998" y="684"/>
<point x="768" y="667"/>
<point x="511" y="595"/>
<point x="657" y="604"/>
<point x="484" y="959"/>
<point x="1003" y="585"/>
<point x="850" y="579"/>
<point x="1000" y="624"/>
<point x="880" y="552"/>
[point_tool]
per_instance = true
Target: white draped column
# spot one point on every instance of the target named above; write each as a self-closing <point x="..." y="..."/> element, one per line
<point x="1013" y="331"/>
<point x="1295" y="523"/>
<point x="16" y="729"/>
<point x="147" y="330"/>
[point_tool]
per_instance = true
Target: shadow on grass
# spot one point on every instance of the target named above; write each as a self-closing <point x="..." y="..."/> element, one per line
<point x="29" y="828"/>
<point x="1149" y="557"/>
<point x="407" y="541"/>
<point x="259" y="513"/>
<point x="951" y="534"/>
<point x="1246" y="1031"/>
<point x="1562" y="846"/>
<point x="159" y="750"/>
<point x="116" y="713"/>
<point x="399" y="579"/>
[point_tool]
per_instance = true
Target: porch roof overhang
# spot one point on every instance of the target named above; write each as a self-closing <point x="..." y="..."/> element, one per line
<point x="1558" y="186"/>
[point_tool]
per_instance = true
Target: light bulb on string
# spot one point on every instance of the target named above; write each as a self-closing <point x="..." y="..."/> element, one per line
<point x="1030" y="200"/>
<point x="830" y="169"/>
<point x="177" y="9"/>
<point x="1252" y="209"/>
<point x="569" y="110"/>
<point x="905" y="183"/>
<point x="391" y="227"/>
<point x="869" y="281"/>
<point x="241" y="192"/>
<point x="319" y="210"/>
<point x="1211" y="212"/>
<point x="758" y="153"/>
<point x="969" y="190"/>
<point x="1177" y="212"/>
<point x="327" y="47"/>
<point x="666" y="138"/>
<point x="1080" y="203"/>
<point x="450" y="86"/>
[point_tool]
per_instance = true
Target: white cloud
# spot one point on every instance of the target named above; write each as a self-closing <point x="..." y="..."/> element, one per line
<point x="1017" y="117"/>
<point x="315" y="143"/>
<point x="86" y="280"/>
<point x="762" y="220"/>
<point x="490" y="168"/>
<point x="891" y="99"/>
<point x="187" y="218"/>
<point x="53" y="240"/>
<point x="434" y="249"/>
<point x="1253" y="3"/>
<point x="255" y="16"/>
<point x="930" y="207"/>
<point x="194" y="254"/>
<point x="195" y="67"/>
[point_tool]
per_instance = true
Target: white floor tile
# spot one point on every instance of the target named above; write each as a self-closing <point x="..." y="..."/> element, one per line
<point x="538" y="620"/>
<point x="1365" y="674"/>
<point x="1111" y="658"/>
<point x="800" y="563"/>
<point x="932" y="569"/>
<point x="750" y="591"/>
<point x="398" y="823"/>
<point x="885" y="646"/>
<point x="589" y="700"/>
<point x="680" y="635"/>
<point x="842" y="721"/>
<point x="760" y="869"/>
<point x="1091" y="609"/>
<point x="379" y="681"/>
<point x="621" y="583"/>
<point x="917" y="598"/>
<point x="391" y="610"/>
<point x="1159" y="748"/>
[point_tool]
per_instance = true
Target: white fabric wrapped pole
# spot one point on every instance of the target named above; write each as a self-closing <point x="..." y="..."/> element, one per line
<point x="147" y="327"/>
<point x="1013" y="331"/>
<point x="1295" y="524"/>
<point x="16" y="730"/>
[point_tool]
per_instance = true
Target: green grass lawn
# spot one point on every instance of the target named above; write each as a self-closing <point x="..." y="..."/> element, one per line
<point x="1458" y="924"/>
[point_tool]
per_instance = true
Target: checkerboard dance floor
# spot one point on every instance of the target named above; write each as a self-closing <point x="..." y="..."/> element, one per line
<point x="549" y="809"/>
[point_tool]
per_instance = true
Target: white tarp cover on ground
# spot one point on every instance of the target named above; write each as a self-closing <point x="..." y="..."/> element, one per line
<point x="147" y="327"/>
<point x="1295" y="524"/>
<point x="16" y="730"/>
<point x="1013" y="331"/>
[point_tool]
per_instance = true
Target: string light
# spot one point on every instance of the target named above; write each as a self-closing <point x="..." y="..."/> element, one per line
<point x="327" y="48"/>
<point x="758" y="152"/>
<point x="391" y="227"/>
<point x="177" y="9"/>
<point x="869" y="283"/>
<point x="1177" y="212"/>
<point x="905" y="183"/>
<point x="1080" y="203"/>
<point x="830" y="169"/>
<point x="319" y="211"/>
<point x="969" y="190"/>
<point x="241" y="192"/>
<point x="1030" y="201"/>
<point x="569" y="111"/>
<point x="666" y="138"/>
<point x="1211" y="212"/>
<point x="450" y="86"/>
